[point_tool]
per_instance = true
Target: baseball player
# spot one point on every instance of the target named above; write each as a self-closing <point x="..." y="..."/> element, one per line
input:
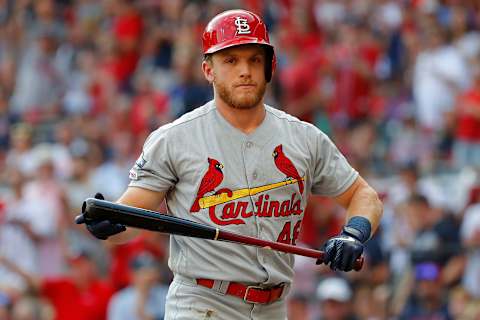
<point x="248" y="168"/>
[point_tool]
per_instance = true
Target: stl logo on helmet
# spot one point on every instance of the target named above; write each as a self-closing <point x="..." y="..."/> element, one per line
<point x="242" y="25"/>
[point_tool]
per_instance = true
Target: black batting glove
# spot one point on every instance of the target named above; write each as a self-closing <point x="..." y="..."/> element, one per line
<point x="341" y="251"/>
<point x="100" y="229"/>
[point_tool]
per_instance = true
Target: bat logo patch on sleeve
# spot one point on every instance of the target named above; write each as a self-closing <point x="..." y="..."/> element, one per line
<point x="140" y="163"/>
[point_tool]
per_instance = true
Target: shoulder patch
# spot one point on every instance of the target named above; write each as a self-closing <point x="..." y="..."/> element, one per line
<point x="133" y="175"/>
<point x="140" y="163"/>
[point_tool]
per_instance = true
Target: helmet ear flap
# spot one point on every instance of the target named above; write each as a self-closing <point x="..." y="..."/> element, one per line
<point x="270" y="63"/>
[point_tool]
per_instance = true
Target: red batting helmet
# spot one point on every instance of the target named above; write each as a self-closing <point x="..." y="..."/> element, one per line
<point x="237" y="27"/>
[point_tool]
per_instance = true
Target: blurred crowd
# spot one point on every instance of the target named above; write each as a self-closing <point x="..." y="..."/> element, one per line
<point x="395" y="83"/>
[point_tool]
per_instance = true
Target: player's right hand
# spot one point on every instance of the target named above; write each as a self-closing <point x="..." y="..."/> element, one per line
<point x="100" y="229"/>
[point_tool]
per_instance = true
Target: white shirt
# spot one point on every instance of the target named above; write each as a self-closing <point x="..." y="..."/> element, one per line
<point x="470" y="225"/>
<point x="435" y="72"/>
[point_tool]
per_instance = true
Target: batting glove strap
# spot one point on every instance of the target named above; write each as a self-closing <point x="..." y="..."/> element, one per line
<point x="352" y="232"/>
<point x="358" y="227"/>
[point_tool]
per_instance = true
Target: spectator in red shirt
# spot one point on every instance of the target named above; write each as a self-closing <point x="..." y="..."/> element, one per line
<point x="323" y="218"/>
<point x="127" y="30"/>
<point x="353" y="59"/>
<point x="300" y="77"/>
<point x="79" y="295"/>
<point x="150" y="107"/>
<point x="122" y="256"/>
<point x="466" y="150"/>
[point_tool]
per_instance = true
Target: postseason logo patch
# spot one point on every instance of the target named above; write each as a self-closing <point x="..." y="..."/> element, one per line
<point x="139" y="164"/>
<point x="133" y="175"/>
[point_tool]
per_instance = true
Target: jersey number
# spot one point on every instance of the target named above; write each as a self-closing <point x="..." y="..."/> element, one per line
<point x="287" y="236"/>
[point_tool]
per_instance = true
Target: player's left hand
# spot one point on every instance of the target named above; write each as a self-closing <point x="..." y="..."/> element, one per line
<point x="341" y="252"/>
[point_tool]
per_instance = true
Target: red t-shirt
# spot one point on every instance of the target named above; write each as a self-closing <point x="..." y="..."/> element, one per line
<point x="71" y="303"/>
<point x="128" y="26"/>
<point x="124" y="253"/>
<point x="144" y="108"/>
<point x="320" y="222"/>
<point x="468" y="127"/>
<point x="353" y="89"/>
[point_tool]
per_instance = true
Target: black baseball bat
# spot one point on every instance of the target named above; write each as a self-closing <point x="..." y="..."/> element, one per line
<point x="97" y="209"/>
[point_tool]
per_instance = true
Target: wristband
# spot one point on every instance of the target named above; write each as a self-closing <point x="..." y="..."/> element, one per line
<point x="358" y="227"/>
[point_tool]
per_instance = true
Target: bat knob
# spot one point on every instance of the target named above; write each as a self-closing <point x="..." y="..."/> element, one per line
<point x="80" y="219"/>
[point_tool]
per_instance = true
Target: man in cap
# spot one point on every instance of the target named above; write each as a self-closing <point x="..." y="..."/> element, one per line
<point x="145" y="298"/>
<point x="335" y="296"/>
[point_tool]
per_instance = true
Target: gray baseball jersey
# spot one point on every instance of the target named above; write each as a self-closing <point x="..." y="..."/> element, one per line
<point x="254" y="184"/>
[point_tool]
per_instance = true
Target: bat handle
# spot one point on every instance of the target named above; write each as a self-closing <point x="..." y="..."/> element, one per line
<point x="306" y="252"/>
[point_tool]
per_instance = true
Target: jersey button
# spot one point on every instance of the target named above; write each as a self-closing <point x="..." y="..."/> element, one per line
<point x="255" y="175"/>
<point x="249" y="144"/>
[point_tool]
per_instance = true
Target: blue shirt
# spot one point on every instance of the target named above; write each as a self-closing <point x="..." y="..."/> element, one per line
<point x="123" y="305"/>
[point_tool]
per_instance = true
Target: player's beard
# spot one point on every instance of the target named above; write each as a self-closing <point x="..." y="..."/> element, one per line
<point x="240" y="101"/>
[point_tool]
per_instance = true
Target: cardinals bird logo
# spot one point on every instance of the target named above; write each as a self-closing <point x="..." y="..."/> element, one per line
<point x="210" y="181"/>
<point x="286" y="166"/>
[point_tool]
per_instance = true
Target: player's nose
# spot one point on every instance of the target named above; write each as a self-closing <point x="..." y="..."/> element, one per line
<point x="244" y="69"/>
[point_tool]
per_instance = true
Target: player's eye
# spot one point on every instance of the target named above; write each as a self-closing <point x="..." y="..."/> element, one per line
<point x="230" y="60"/>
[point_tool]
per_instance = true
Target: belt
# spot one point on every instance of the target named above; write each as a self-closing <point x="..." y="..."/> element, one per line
<point x="250" y="294"/>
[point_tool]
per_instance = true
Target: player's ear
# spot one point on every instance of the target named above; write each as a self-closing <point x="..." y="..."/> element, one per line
<point x="207" y="67"/>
